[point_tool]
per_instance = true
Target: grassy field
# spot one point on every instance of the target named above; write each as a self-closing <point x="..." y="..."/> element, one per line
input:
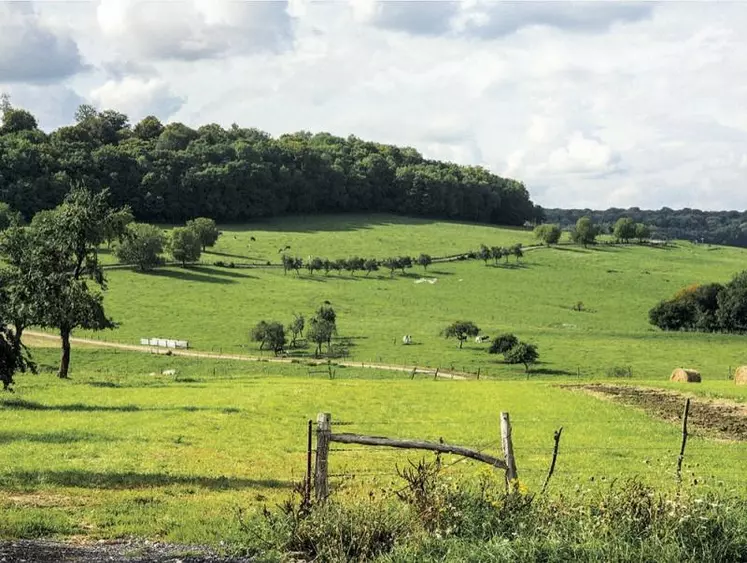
<point x="117" y="452"/>
<point x="121" y="450"/>
<point x="216" y="307"/>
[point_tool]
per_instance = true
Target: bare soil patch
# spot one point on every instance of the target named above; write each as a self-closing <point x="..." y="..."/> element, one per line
<point x="720" y="418"/>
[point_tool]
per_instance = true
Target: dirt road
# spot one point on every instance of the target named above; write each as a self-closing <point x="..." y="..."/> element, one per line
<point x="241" y="357"/>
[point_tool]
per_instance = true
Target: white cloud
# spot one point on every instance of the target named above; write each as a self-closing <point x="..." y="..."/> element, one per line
<point x="590" y="104"/>
<point x="194" y="29"/>
<point x="582" y="155"/>
<point x="30" y="51"/>
<point x="138" y="97"/>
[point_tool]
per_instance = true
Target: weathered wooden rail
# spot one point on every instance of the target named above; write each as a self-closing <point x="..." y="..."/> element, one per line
<point x="324" y="437"/>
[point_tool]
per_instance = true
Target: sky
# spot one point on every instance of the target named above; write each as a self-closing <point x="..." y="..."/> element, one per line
<point x="590" y="103"/>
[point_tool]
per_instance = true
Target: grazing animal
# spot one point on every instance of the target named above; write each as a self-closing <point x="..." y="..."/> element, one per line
<point x="481" y="339"/>
<point x="253" y="239"/>
<point x="407" y="339"/>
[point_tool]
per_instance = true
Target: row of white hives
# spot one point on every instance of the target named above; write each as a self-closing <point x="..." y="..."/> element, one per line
<point x="164" y="343"/>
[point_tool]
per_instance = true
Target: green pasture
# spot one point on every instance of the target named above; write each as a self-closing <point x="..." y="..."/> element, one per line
<point x="116" y="452"/>
<point x="215" y="308"/>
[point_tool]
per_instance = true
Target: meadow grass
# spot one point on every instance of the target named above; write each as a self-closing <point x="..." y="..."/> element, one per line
<point x="215" y="307"/>
<point x="116" y="452"/>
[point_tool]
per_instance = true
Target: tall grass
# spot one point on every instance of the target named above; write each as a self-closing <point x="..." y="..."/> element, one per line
<point x="435" y="519"/>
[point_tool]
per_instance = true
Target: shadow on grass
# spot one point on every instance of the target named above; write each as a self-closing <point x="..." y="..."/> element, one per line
<point x="229" y="255"/>
<point x="548" y="371"/>
<point x="187" y="274"/>
<point x="218" y="271"/>
<point x="22" y="404"/>
<point x="133" y="480"/>
<point x="570" y="249"/>
<point x="62" y="437"/>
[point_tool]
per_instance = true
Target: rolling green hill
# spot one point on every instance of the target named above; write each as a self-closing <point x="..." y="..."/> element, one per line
<point x="216" y="307"/>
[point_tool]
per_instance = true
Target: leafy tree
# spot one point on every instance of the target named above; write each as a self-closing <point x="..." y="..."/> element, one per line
<point x="320" y="331"/>
<point x="314" y="264"/>
<point x="64" y="259"/>
<point x="732" y="305"/>
<point x="116" y="227"/>
<point x="585" y="232"/>
<point x="14" y="357"/>
<point x="339" y="265"/>
<point x="270" y="334"/>
<point x="141" y="245"/>
<point x="496" y="253"/>
<point x="149" y="128"/>
<point x="404" y="262"/>
<point x="625" y="229"/>
<point x="676" y="314"/>
<point x="517" y="251"/>
<point x="548" y="233"/>
<point x="287" y="263"/>
<point x="327" y="266"/>
<point x="259" y="334"/>
<point x="522" y="353"/>
<point x="327" y="313"/>
<point x="391" y="263"/>
<point x="461" y="330"/>
<point x="19" y="302"/>
<point x="9" y="217"/>
<point x="297" y="264"/>
<point x="370" y="265"/>
<point x="424" y="260"/>
<point x="484" y="254"/>
<point x="206" y="230"/>
<point x="296" y="328"/>
<point x="16" y="120"/>
<point x="506" y="252"/>
<point x="354" y="264"/>
<point x="184" y="245"/>
<point x="503" y="344"/>
<point x="642" y="232"/>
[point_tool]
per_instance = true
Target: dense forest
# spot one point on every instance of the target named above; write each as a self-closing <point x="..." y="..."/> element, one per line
<point x="171" y="173"/>
<point x="713" y="227"/>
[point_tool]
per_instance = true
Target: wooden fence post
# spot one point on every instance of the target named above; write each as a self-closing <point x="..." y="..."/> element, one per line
<point x="307" y="484"/>
<point x="508" y="450"/>
<point x="684" y="440"/>
<point x="323" y="432"/>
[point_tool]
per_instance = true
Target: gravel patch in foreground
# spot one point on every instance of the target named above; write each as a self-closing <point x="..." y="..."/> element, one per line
<point x="124" y="551"/>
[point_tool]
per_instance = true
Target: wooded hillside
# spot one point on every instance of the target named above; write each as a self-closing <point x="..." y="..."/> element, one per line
<point x="170" y="173"/>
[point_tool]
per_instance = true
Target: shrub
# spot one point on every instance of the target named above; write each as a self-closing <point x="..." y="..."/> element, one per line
<point x="503" y="343"/>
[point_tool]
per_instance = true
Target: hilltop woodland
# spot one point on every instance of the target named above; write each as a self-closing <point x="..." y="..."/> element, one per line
<point x="711" y="227"/>
<point x="172" y="173"/>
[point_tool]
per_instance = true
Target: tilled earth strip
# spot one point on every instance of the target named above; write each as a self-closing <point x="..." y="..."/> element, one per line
<point x="718" y="418"/>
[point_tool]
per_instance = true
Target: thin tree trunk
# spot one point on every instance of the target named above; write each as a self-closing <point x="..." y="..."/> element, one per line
<point x="17" y="334"/>
<point x="65" y="358"/>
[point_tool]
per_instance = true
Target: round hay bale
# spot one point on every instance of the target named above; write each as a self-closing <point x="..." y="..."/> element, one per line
<point x="740" y="375"/>
<point x="685" y="375"/>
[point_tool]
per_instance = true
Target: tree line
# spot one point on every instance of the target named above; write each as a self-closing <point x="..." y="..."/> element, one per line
<point x="172" y="173"/>
<point x="585" y="231"/>
<point x="709" y="307"/>
<point x="712" y="227"/>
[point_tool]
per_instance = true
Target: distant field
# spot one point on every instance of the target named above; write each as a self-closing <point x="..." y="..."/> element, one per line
<point x="215" y="308"/>
<point x="117" y="452"/>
